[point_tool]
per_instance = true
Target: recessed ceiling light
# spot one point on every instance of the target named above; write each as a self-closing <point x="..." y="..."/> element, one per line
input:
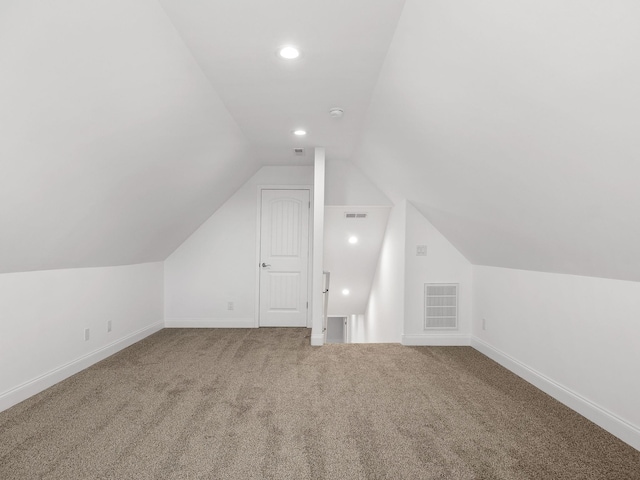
<point x="299" y="132"/>
<point x="345" y="291"/>
<point x="353" y="240"/>
<point x="289" y="52"/>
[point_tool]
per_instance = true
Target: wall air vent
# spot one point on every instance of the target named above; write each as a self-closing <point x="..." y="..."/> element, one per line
<point x="298" y="151"/>
<point x="440" y="306"/>
<point x="355" y="215"/>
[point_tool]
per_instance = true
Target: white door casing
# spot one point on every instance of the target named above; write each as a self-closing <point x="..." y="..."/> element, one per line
<point x="284" y="258"/>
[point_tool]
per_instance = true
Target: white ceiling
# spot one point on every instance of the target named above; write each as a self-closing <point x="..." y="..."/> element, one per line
<point x="126" y="123"/>
<point x="114" y="146"/>
<point x="512" y="126"/>
<point x="343" y="45"/>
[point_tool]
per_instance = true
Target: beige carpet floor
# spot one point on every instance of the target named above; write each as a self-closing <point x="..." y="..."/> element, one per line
<point x="263" y="404"/>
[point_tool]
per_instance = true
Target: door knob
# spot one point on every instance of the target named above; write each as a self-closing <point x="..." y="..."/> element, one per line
<point x="264" y="265"/>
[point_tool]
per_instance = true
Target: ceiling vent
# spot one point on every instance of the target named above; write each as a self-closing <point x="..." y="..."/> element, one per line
<point x="355" y="215"/>
<point x="336" y="112"/>
<point x="440" y="306"/>
<point x="298" y="151"/>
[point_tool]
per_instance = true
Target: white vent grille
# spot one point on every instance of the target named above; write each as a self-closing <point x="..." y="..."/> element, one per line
<point x="298" y="151"/>
<point x="440" y="306"/>
<point x="355" y="215"/>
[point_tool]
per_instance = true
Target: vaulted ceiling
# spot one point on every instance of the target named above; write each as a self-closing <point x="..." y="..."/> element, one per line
<point x="114" y="146"/>
<point x="512" y="126"/>
<point x="342" y="44"/>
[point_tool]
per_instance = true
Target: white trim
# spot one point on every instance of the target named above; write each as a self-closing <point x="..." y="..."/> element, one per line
<point x="615" y="425"/>
<point x="317" y="339"/>
<point x="260" y="188"/>
<point x="317" y="282"/>
<point x="424" y="339"/>
<point x="32" y="387"/>
<point x="256" y="314"/>
<point x="186" y="322"/>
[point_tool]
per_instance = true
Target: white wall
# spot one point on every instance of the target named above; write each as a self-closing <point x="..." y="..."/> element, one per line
<point x="317" y="249"/>
<point x="442" y="264"/>
<point x="336" y="329"/>
<point x="43" y="316"/>
<point x="574" y="337"/>
<point x="382" y="322"/>
<point x="346" y="185"/>
<point x="395" y="310"/>
<point x="217" y="264"/>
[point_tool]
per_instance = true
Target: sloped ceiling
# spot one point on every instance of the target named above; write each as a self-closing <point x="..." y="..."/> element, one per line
<point x="114" y="146"/>
<point x="342" y="42"/>
<point x="126" y="123"/>
<point x="514" y="127"/>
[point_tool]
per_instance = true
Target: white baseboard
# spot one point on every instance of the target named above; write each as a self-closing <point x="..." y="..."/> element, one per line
<point x="434" y="339"/>
<point x="185" y="322"/>
<point x="317" y="339"/>
<point x="17" y="394"/>
<point x="615" y="425"/>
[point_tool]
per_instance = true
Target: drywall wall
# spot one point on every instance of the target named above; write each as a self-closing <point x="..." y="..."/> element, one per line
<point x="217" y="264"/>
<point x="383" y="322"/>
<point x="44" y="314"/>
<point x="395" y="310"/>
<point x="356" y="329"/>
<point x="574" y="337"/>
<point x="317" y="250"/>
<point x="345" y="184"/>
<point x="443" y="263"/>
<point x="336" y="327"/>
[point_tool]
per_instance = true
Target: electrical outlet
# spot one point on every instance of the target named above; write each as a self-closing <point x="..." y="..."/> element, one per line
<point x="230" y="306"/>
<point x="108" y="325"/>
<point x="86" y="334"/>
<point x="484" y="324"/>
<point x="421" y="250"/>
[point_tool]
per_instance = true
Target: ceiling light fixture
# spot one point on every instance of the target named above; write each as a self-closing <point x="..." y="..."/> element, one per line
<point x="345" y="291"/>
<point x="289" y="52"/>
<point x="299" y="132"/>
<point x="353" y="240"/>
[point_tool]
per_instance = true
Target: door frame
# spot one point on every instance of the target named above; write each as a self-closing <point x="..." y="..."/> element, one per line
<point x="260" y="188"/>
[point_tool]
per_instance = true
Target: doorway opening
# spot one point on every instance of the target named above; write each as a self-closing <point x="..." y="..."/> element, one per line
<point x="337" y="330"/>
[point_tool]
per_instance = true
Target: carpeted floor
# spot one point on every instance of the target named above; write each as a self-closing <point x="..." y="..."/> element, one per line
<point x="263" y="404"/>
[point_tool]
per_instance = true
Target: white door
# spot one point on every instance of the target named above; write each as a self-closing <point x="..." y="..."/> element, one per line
<point x="284" y="258"/>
